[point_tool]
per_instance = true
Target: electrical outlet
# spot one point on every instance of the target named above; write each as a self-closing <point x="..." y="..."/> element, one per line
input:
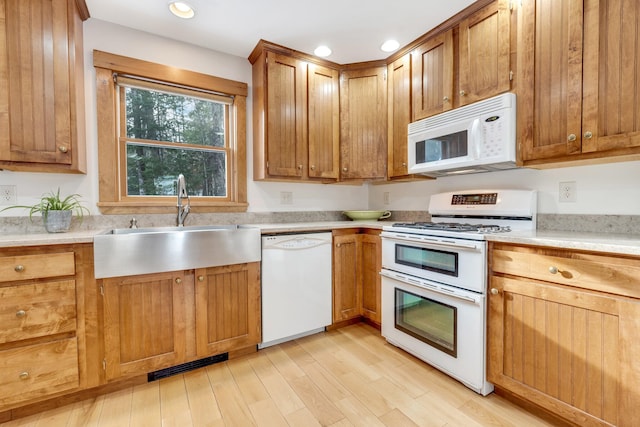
<point x="286" y="198"/>
<point x="568" y="192"/>
<point x="8" y="195"/>
<point x="385" y="197"/>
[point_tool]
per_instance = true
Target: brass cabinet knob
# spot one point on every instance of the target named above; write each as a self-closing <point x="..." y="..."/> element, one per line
<point x="24" y="375"/>
<point x="572" y="137"/>
<point x="63" y="149"/>
<point x="344" y="169"/>
<point x="588" y="135"/>
<point x="19" y="268"/>
<point x="21" y="313"/>
<point x="404" y="164"/>
<point x="300" y="167"/>
<point x="200" y="278"/>
<point x="178" y="280"/>
<point x="445" y="99"/>
<point x="553" y="270"/>
<point x="494" y="291"/>
<point x="312" y="167"/>
<point x="462" y="93"/>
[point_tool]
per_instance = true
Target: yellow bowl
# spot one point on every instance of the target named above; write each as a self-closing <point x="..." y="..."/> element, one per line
<point x="367" y="215"/>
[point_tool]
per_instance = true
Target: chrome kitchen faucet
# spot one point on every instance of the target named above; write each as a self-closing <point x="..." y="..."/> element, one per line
<point x="183" y="210"/>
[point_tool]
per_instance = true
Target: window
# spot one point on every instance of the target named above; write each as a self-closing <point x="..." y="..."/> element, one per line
<point x="156" y="122"/>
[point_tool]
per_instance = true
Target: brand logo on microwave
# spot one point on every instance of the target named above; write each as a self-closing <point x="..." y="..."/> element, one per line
<point x="491" y="119"/>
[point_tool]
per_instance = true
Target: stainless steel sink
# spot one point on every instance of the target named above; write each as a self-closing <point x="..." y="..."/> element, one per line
<point x="133" y="251"/>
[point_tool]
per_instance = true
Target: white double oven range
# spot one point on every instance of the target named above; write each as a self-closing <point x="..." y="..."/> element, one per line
<point x="434" y="278"/>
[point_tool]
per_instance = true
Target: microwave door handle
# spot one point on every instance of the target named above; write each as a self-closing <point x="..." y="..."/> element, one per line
<point x="475" y="138"/>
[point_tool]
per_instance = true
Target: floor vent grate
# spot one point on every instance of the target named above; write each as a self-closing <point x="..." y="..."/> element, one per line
<point x="185" y="367"/>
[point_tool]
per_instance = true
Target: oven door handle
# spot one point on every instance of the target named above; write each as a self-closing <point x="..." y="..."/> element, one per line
<point x="430" y="241"/>
<point x="426" y="285"/>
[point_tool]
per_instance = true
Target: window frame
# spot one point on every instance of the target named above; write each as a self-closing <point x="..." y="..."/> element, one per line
<point x="111" y="170"/>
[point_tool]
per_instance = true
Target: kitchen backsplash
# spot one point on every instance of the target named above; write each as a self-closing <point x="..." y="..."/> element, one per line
<point x="626" y="224"/>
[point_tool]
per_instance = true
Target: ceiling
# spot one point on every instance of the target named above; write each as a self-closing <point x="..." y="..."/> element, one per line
<point x="353" y="29"/>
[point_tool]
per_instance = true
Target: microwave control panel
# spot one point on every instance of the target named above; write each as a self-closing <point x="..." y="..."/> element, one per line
<point x="494" y="135"/>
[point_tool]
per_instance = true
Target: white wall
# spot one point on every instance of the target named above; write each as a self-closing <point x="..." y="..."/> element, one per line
<point x="602" y="189"/>
<point x="263" y="197"/>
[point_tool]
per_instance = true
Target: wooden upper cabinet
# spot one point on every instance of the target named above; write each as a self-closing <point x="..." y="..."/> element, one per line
<point x="583" y="100"/>
<point x="485" y="53"/>
<point x="296" y="116"/>
<point x="399" y="114"/>
<point x="363" y="123"/>
<point x="41" y="85"/>
<point x="432" y="73"/>
<point x="323" y="122"/>
<point x="286" y="116"/>
<point x="468" y="62"/>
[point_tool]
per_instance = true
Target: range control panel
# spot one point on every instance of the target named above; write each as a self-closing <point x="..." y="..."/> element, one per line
<point x="474" y="199"/>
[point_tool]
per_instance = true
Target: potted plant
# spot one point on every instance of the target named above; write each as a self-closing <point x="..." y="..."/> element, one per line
<point x="56" y="211"/>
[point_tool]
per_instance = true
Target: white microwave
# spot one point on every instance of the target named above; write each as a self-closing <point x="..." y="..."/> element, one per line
<point x="478" y="137"/>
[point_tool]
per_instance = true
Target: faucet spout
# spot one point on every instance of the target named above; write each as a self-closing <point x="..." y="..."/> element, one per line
<point x="183" y="210"/>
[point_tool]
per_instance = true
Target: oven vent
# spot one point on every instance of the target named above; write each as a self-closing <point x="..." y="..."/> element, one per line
<point x="185" y="367"/>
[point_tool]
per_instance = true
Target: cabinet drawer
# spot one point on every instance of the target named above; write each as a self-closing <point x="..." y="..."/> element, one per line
<point x="37" y="309"/>
<point x="39" y="370"/>
<point x="27" y="267"/>
<point x="617" y="275"/>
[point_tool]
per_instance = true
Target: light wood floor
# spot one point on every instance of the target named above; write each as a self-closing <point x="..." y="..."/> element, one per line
<point x="346" y="377"/>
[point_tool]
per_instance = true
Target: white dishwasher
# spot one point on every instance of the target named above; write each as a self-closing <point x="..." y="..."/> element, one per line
<point x="296" y="286"/>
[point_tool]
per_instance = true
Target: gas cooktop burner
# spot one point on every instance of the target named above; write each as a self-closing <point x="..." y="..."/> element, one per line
<point x="454" y="226"/>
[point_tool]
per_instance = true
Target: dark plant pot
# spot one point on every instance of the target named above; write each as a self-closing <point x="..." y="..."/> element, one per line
<point x="57" y="221"/>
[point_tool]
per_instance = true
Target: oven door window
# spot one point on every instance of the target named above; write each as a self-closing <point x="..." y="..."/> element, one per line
<point x="427" y="320"/>
<point x="428" y="259"/>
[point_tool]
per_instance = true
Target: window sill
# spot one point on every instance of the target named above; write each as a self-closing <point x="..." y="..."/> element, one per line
<point x="113" y="208"/>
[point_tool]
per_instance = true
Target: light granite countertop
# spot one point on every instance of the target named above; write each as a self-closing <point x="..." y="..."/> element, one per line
<point x="86" y="236"/>
<point x="625" y="244"/>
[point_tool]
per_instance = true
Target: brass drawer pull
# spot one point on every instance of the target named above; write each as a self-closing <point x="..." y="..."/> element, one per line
<point x="21" y="313"/>
<point x="178" y="280"/>
<point x="19" y="268"/>
<point x="24" y="375"/>
<point x="494" y="291"/>
<point x="571" y="137"/>
<point x="200" y="278"/>
<point x="553" y="270"/>
<point x="63" y="149"/>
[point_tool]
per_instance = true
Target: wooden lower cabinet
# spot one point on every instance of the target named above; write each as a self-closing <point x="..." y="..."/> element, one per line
<point x="356" y="279"/>
<point x="144" y="323"/>
<point x="149" y="320"/>
<point x="569" y="350"/>
<point x="227" y="308"/>
<point x="43" y="348"/>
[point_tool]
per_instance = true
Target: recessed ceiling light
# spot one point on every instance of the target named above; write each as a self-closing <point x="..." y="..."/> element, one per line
<point x="322" y="51"/>
<point x="181" y="9"/>
<point x="390" y="46"/>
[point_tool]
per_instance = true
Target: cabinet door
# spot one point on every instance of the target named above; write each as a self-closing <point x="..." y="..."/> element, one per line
<point x="324" y="122"/>
<point x="286" y="116"/>
<point x="611" y="86"/>
<point x="227" y="308"/>
<point x="40" y="85"/>
<point x="552" y="116"/>
<point x="363" y="128"/>
<point x="399" y="114"/>
<point x="565" y="349"/>
<point x="432" y="74"/>
<point x="371" y="282"/>
<point x="485" y="53"/>
<point x="144" y="323"/>
<point x="347" y="291"/>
